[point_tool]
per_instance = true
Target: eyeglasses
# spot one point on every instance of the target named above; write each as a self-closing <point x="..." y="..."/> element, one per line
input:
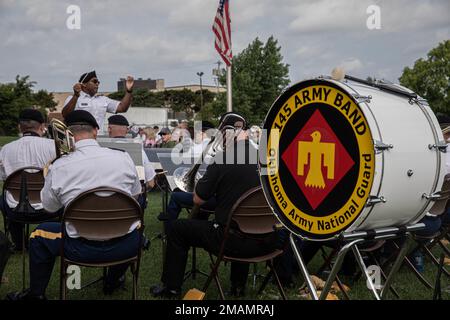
<point x="95" y="81"/>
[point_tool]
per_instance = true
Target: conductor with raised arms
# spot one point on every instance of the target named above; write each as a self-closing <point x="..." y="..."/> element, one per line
<point x="85" y="98"/>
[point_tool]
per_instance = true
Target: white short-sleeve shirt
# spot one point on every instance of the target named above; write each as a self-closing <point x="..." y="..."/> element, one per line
<point x="89" y="167"/>
<point x="97" y="105"/>
<point x="28" y="151"/>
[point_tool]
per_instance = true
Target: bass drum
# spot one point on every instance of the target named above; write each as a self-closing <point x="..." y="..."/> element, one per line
<point x="343" y="156"/>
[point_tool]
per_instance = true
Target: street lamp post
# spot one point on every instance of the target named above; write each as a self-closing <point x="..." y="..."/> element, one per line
<point x="200" y="74"/>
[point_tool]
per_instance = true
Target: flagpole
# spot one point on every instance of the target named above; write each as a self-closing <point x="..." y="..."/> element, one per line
<point x="229" y="100"/>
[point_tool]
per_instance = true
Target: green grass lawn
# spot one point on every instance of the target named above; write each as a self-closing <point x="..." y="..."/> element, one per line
<point x="6" y="139"/>
<point x="151" y="265"/>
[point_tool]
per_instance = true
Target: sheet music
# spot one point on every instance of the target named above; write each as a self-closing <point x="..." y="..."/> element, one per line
<point x="141" y="172"/>
<point x="134" y="149"/>
<point x="170" y="162"/>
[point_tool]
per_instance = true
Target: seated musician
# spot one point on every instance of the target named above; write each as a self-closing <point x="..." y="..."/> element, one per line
<point x="88" y="167"/>
<point x="118" y="128"/>
<point x="180" y="199"/>
<point x="31" y="150"/>
<point x="227" y="182"/>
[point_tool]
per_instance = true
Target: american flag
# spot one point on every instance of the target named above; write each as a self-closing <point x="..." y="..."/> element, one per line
<point x="222" y="30"/>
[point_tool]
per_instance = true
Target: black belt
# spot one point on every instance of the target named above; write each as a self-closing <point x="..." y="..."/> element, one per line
<point x="258" y="237"/>
<point x="99" y="243"/>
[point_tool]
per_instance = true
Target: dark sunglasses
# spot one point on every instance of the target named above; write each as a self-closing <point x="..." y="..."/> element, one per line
<point x="95" y="81"/>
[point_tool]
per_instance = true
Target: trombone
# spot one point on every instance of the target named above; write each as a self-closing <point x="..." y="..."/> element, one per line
<point x="64" y="140"/>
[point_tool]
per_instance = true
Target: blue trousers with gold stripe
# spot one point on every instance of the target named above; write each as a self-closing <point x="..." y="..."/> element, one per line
<point x="45" y="246"/>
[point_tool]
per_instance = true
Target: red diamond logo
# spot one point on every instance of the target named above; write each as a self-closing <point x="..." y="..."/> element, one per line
<point x="317" y="160"/>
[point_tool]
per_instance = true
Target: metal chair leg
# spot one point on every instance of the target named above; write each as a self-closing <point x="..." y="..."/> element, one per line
<point x="62" y="280"/>
<point x="23" y="258"/>
<point x="435" y="260"/>
<point x="437" y="295"/>
<point x="280" y="287"/>
<point x="395" y="267"/>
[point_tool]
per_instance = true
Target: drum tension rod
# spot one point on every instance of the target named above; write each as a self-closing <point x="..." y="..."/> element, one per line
<point x="441" y="146"/>
<point x="374" y="200"/>
<point x="361" y="99"/>
<point x="380" y="146"/>
<point x="433" y="196"/>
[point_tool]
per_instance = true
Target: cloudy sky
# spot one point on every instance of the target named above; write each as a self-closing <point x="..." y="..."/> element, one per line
<point x="172" y="39"/>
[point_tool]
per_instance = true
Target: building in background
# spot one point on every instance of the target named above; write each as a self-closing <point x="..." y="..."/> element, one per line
<point x="139" y="83"/>
<point x="196" y="87"/>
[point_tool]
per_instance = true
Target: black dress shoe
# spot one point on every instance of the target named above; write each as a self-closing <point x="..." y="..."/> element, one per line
<point x="160" y="291"/>
<point x="109" y="287"/>
<point x="25" y="295"/>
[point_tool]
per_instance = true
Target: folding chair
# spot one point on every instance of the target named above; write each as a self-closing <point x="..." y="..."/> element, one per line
<point x="425" y="243"/>
<point x="253" y="216"/>
<point x="102" y="214"/>
<point x="25" y="186"/>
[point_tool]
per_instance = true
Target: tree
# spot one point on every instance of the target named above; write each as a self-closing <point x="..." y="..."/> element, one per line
<point x="178" y="100"/>
<point x="44" y="100"/>
<point x="430" y="78"/>
<point x="212" y="110"/>
<point x="259" y="76"/>
<point x="142" y="98"/>
<point x="17" y="96"/>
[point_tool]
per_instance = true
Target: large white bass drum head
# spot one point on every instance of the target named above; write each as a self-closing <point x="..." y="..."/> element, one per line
<point x="348" y="156"/>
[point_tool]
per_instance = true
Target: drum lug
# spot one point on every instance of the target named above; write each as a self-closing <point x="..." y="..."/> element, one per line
<point x="380" y="146"/>
<point x="433" y="196"/>
<point x="374" y="200"/>
<point x="441" y="146"/>
<point x="361" y="99"/>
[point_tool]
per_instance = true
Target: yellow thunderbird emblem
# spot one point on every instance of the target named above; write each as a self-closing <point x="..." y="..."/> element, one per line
<point x="315" y="149"/>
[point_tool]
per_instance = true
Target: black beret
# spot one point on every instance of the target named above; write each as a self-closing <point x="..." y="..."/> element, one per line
<point x="81" y="117"/>
<point x="31" y="114"/>
<point x="206" y="125"/>
<point x="233" y="118"/>
<point x="85" y="77"/>
<point x="119" y="120"/>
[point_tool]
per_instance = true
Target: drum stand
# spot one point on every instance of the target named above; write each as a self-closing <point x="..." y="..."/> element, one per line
<point x="352" y="240"/>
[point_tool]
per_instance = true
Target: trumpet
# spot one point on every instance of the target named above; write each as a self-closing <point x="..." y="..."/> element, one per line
<point x="64" y="140"/>
<point x="186" y="178"/>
